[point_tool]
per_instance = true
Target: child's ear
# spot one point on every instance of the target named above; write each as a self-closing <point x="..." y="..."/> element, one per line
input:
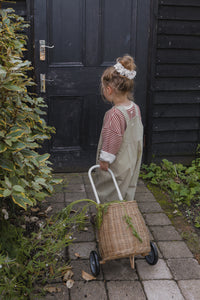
<point x="109" y="90"/>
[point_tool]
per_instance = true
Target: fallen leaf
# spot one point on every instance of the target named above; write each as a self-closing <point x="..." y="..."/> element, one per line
<point x="51" y="270"/>
<point x="48" y="209"/>
<point x="77" y="255"/>
<point x="34" y="219"/>
<point x="64" y="269"/>
<point x="68" y="275"/>
<point x="35" y="209"/>
<point x="87" y="276"/>
<point x="70" y="283"/>
<point x="52" y="289"/>
<point x="42" y="214"/>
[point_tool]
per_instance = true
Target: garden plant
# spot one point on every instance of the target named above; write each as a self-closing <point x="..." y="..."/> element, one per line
<point x="180" y="182"/>
<point x="28" y="253"/>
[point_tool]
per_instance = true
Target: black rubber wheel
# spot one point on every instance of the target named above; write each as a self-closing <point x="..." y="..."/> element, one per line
<point x="152" y="258"/>
<point x="94" y="263"/>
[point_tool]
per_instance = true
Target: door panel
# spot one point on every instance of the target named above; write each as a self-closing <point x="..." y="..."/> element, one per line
<point x="87" y="35"/>
<point x="118" y="32"/>
<point x="66" y="31"/>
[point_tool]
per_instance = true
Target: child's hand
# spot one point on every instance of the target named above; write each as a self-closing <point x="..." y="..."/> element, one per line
<point x="104" y="165"/>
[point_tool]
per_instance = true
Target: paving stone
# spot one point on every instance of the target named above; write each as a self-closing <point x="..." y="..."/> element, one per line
<point x="165" y="233"/>
<point x="85" y="235"/>
<point x="77" y="188"/>
<point x="73" y="196"/>
<point x="63" y="294"/>
<point x="82" y="265"/>
<point x="72" y="178"/>
<point x="119" y="269"/>
<point x="126" y="290"/>
<point x="162" y="290"/>
<point x="140" y="182"/>
<point x="55" y="198"/>
<point x="149" y="207"/>
<point x="144" y="197"/>
<point x="83" y="249"/>
<point x="92" y="290"/>
<point x="174" y="249"/>
<point x="142" y="189"/>
<point x="158" y="271"/>
<point x="190" y="289"/>
<point x="187" y="268"/>
<point x="153" y="219"/>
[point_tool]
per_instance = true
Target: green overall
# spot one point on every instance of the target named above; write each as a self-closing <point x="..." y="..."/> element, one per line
<point x="126" y="166"/>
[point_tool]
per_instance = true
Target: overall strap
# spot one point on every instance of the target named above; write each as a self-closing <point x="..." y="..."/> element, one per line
<point x="124" y="112"/>
<point x="136" y="110"/>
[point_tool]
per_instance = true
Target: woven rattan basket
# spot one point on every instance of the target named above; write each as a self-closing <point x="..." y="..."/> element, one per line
<point x="116" y="239"/>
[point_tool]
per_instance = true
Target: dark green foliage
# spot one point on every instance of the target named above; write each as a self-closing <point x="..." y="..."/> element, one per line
<point x="181" y="182"/>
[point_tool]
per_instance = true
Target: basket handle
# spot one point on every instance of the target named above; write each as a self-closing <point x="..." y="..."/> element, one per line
<point x="94" y="188"/>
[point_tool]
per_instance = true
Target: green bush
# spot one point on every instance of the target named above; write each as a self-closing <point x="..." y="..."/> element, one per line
<point x="181" y="182"/>
<point x="25" y="175"/>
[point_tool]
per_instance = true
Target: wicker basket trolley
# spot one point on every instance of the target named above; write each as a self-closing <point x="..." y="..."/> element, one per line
<point x="115" y="236"/>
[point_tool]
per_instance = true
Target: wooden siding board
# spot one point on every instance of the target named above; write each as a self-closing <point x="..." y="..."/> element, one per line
<point x="178" y="42"/>
<point x="179" y="13"/>
<point x="177" y="84"/>
<point x="174" y="27"/>
<point x="174" y="149"/>
<point x="179" y="97"/>
<point x="186" y="160"/>
<point x="175" y="136"/>
<point x="180" y="2"/>
<point x="178" y="56"/>
<point x="171" y="124"/>
<point x="174" y="70"/>
<point x="174" y="110"/>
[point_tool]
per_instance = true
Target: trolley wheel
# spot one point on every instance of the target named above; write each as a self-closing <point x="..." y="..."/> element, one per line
<point x="152" y="258"/>
<point x="94" y="263"/>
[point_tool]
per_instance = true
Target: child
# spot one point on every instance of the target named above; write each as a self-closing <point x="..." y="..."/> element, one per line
<point x="120" y="144"/>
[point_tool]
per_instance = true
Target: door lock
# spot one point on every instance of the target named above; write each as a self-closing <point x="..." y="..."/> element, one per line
<point x="42" y="83"/>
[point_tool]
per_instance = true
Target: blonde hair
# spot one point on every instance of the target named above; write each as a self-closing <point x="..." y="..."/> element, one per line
<point x="118" y="82"/>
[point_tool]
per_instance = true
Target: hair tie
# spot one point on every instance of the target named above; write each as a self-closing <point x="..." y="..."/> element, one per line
<point x="123" y="71"/>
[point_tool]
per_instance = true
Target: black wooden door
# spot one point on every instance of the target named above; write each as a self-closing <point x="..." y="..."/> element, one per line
<point x="87" y="36"/>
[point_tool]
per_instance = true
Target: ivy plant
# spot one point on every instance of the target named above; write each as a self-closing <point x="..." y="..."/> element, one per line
<point x="25" y="175"/>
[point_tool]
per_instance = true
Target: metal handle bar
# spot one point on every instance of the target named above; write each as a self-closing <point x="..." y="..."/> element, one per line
<point x="94" y="188"/>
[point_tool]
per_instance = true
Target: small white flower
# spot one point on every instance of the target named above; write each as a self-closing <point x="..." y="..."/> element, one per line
<point x="1" y="266"/>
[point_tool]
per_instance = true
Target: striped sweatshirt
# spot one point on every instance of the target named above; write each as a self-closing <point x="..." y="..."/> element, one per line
<point x="113" y="130"/>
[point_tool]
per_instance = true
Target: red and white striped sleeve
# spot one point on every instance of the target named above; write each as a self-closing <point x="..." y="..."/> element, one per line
<point x="112" y="134"/>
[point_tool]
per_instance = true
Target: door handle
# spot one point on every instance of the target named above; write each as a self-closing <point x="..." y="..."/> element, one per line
<point x="42" y="49"/>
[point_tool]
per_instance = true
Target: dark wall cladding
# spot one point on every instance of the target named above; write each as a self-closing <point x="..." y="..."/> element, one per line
<point x="175" y="82"/>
